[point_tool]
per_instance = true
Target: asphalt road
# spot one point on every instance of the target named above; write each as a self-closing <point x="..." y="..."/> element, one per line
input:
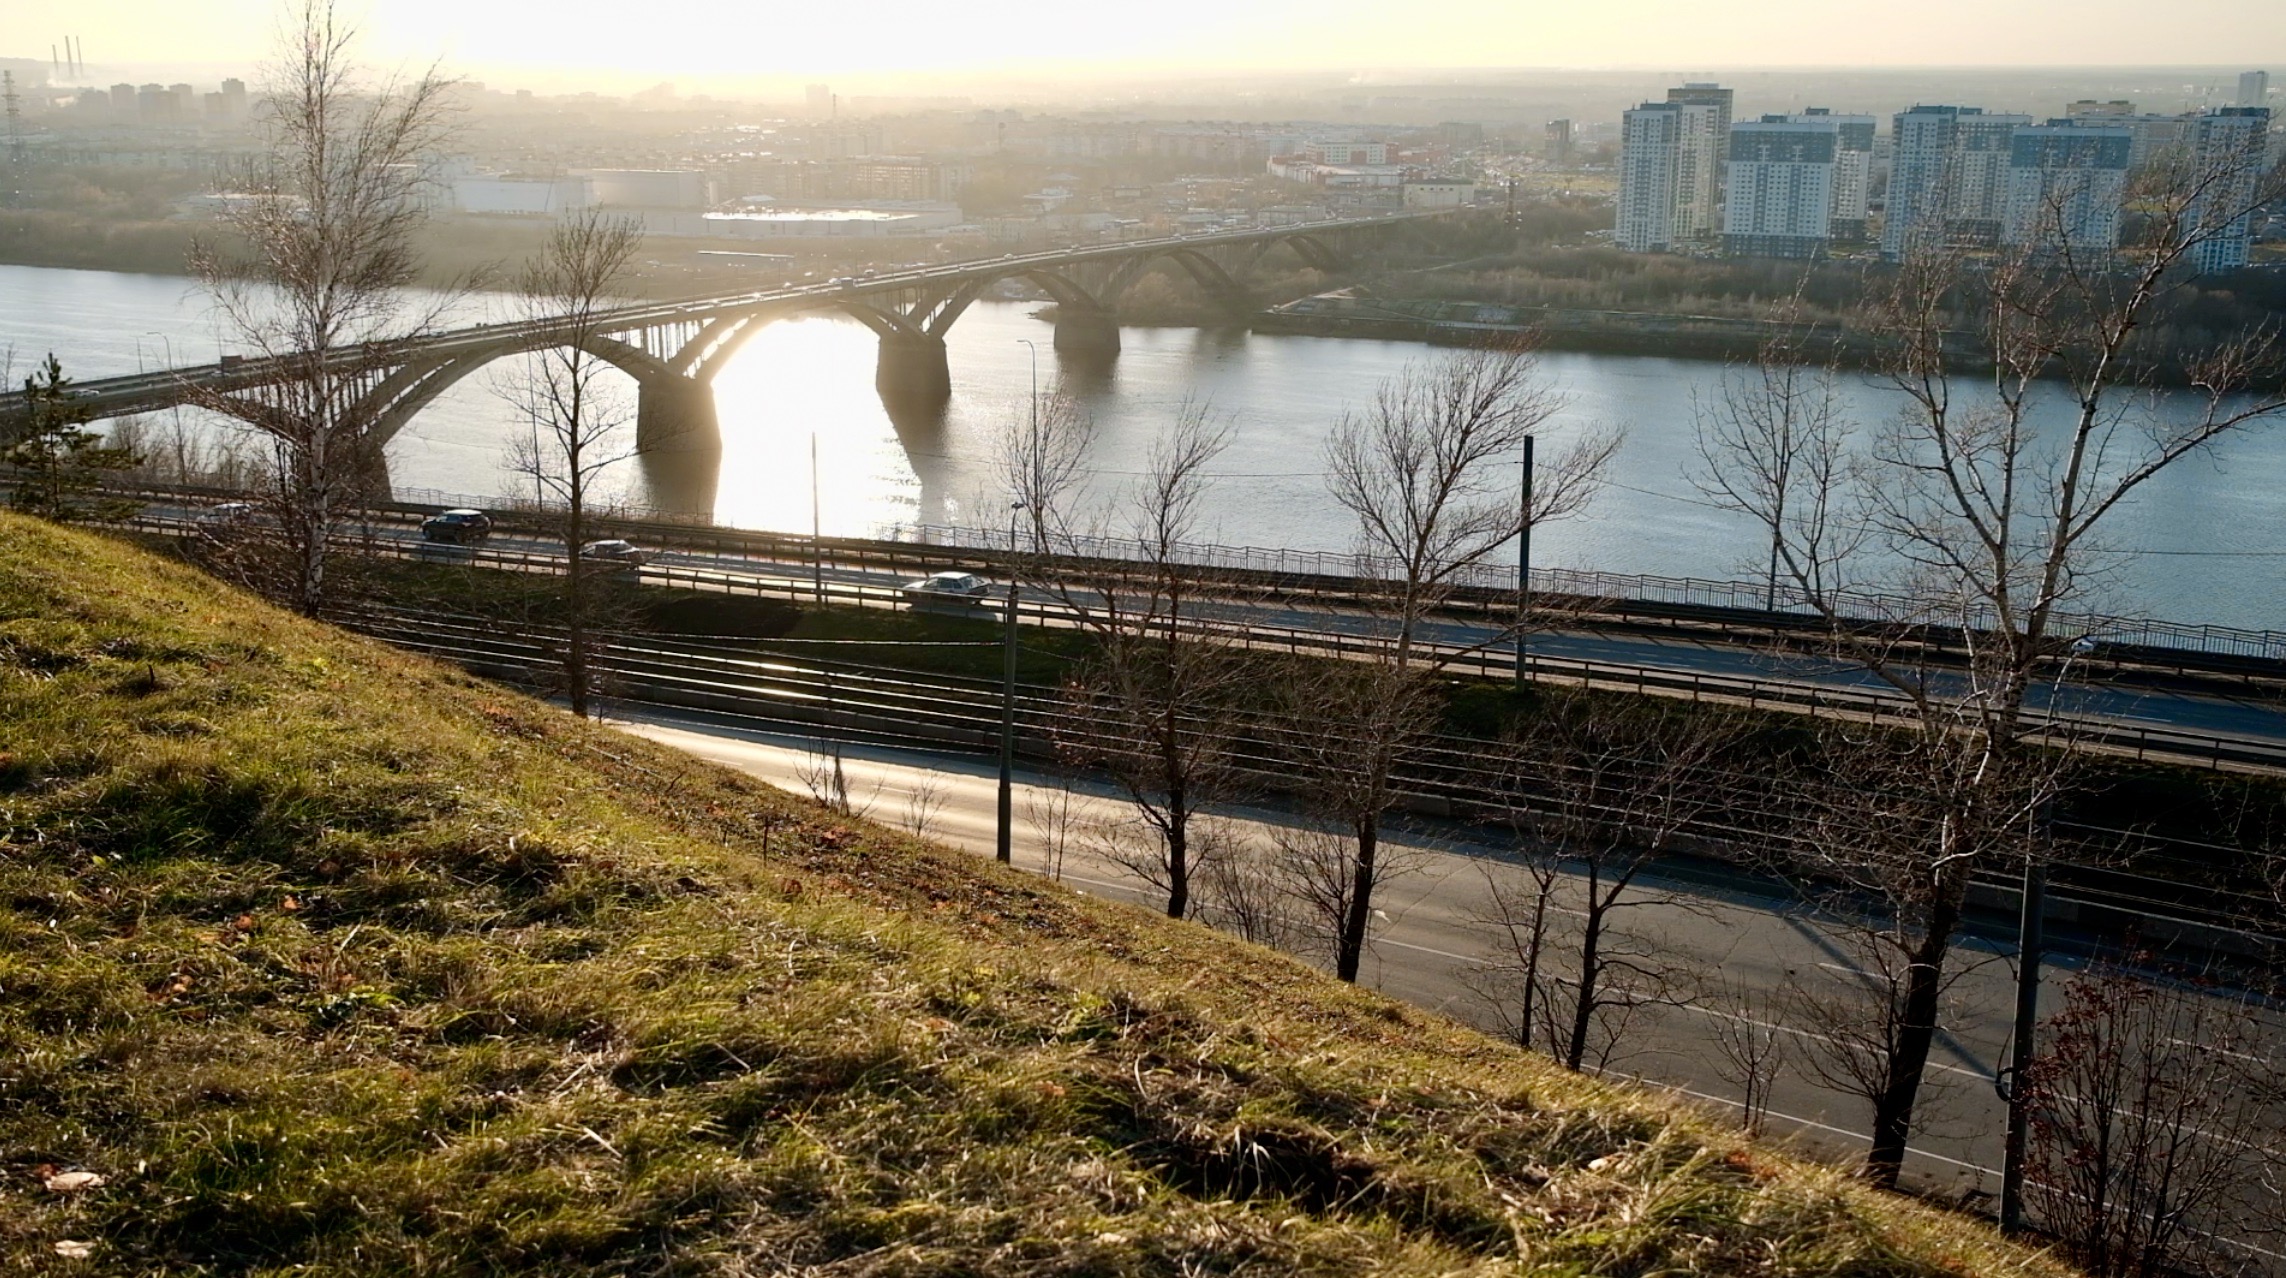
<point x="2235" y="718"/>
<point x="1430" y="942"/>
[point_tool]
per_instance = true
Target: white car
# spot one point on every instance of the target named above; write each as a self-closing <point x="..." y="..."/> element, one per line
<point x="948" y="585"/>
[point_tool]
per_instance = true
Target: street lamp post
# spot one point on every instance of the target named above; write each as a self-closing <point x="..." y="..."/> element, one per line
<point x="1003" y="838"/>
<point x="2031" y="921"/>
<point x="1524" y="565"/>
<point x="1032" y="460"/>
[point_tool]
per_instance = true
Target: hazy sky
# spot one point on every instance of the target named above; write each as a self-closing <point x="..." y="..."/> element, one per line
<point x="698" y="41"/>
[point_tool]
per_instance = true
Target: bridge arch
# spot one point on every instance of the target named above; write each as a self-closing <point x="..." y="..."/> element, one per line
<point x="397" y="398"/>
<point x="1207" y="273"/>
<point x="704" y="356"/>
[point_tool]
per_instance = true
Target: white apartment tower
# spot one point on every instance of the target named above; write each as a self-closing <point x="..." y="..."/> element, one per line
<point x="1699" y="155"/>
<point x="2066" y="184"/>
<point x="1853" y="169"/>
<point x="1778" y="198"/>
<point x="1649" y="138"/>
<point x="2254" y="88"/>
<point x="2228" y="144"/>
<point x="1948" y="178"/>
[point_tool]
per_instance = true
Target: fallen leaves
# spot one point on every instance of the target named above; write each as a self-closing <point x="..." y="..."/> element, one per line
<point x="72" y="1182"/>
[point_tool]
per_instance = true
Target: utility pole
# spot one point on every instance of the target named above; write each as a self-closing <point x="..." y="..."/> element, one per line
<point x="2029" y="944"/>
<point x="1004" y="838"/>
<point x="817" y="561"/>
<point x="1524" y="565"/>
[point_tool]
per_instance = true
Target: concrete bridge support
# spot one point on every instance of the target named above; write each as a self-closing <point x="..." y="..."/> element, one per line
<point x="1086" y="332"/>
<point x="676" y="415"/>
<point x="912" y="372"/>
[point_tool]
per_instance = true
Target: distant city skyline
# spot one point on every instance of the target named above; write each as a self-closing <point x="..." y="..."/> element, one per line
<point x="718" y="44"/>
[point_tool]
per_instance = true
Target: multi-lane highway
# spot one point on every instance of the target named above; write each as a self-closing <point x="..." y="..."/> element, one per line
<point x="2168" y="722"/>
<point x="1746" y="950"/>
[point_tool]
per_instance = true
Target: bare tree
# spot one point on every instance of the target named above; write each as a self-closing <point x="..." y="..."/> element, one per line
<point x="1517" y="917"/>
<point x="1888" y="840"/>
<point x="1160" y="698"/>
<point x="1750" y="1047"/>
<point x="925" y="798"/>
<point x="575" y="408"/>
<point x="1053" y="813"/>
<point x="1424" y="471"/>
<point x="1258" y="889"/>
<point x="2147" y="1123"/>
<point x="1428" y="472"/>
<point x="1040" y="455"/>
<point x="317" y="280"/>
<point x="1986" y="523"/>
<point x="1596" y="790"/>
<point x="1772" y="443"/>
<point x="1341" y="727"/>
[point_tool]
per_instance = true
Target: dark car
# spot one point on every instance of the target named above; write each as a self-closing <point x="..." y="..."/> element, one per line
<point x="615" y="553"/>
<point x="457" y="527"/>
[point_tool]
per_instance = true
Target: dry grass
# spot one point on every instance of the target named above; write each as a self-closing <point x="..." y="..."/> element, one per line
<point x="329" y="960"/>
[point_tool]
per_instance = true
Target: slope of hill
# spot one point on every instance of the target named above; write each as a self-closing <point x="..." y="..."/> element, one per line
<point x="318" y="958"/>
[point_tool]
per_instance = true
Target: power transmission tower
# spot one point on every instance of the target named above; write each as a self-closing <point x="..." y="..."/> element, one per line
<point x="15" y="118"/>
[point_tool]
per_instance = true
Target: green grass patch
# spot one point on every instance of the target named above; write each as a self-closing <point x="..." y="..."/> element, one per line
<point x="330" y="960"/>
<point x="334" y="961"/>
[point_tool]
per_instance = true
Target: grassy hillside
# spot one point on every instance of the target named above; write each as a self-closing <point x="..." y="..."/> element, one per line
<point x="327" y="960"/>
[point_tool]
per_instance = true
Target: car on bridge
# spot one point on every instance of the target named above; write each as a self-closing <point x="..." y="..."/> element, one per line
<point x="461" y="527"/>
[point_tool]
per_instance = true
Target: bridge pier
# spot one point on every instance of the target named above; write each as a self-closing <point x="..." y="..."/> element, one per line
<point x="676" y="415"/>
<point x="1086" y="332"/>
<point x="912" y="371"/>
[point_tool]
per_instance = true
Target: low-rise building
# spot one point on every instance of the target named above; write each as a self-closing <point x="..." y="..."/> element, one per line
<point x="1439" y="193"/>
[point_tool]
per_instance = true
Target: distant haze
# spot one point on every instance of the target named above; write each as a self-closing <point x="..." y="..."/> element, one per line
<point x="763" y="46"/>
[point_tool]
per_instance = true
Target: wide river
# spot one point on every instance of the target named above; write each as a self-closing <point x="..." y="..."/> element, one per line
<point x="2208" y="537"/>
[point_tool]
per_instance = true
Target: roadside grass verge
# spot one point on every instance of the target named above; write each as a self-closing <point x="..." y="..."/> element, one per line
<point x="331" y="960"/>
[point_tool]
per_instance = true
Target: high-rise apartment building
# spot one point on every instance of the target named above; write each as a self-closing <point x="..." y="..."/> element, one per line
<point x="1778" y="198"/>
<point x="1948" y="177"/>
<point x="1853" y="169"/>
<point x="2066" y="183"/>
<point x="1649" y="137"/>
<point x="2254" y="88"/>
<point x="1699" y="154"/>
<point x="1795" y="183"/>
<point x="1556" y="142"/>
<point x="2228" y="145"/>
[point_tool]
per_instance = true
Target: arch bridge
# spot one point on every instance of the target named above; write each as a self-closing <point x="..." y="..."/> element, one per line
<point x="674" y="349"/>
